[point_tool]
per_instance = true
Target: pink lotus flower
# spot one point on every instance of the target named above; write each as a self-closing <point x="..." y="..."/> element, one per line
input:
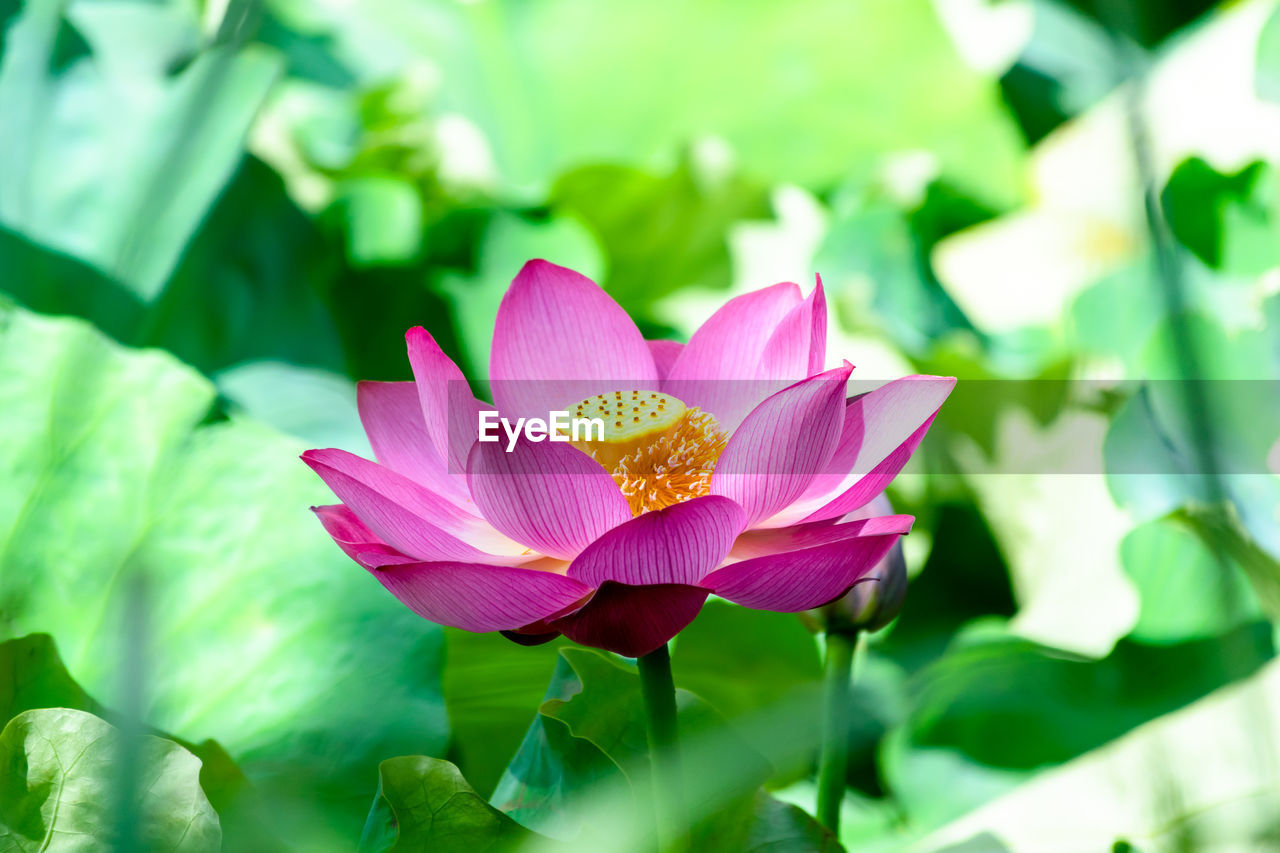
<point x="732" y="477"/>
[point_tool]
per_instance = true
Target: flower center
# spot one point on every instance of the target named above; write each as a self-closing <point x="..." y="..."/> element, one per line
<point x="658" y="451"/>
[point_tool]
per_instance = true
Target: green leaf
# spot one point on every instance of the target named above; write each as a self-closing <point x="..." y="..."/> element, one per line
<point x="248" y="286"/>
<point x="103" y="184"/>
<point x="425" y="804"/>
<point x="757" y="822"/>
<point x="607" y="712"/>
<point x="582" y="773"/>
<point x="780" y="827"/>
<point x="590" y="742"/>
<point x="59" y="778"/>
<point x="545" y="785"/>
<point x="32" y="675"/>
<point x="1116" y="315"/>
<point x="1225" y="219"/>
<point x="312" y="404"/>
<point x="1147" y="22"/>
<point x="1065" y="68"/>
<point x="1011" y="703"/>
<point x="1186" y="592"/>
<point x="1224" y="532"/>
<point x="997" y="709"/>
<point x="1146" y="472"/>
<point x="742" y="660"/>
<point x="1235" y="372"/>
<point x="1152" y="472"/>
<point x="492" y="689"/>
<point x="932" y="785"/>
<point x="251" y="284"/>
<point x="55" y="283"/>
<point x="878" y="252"/>
<point x="264" y="635"/>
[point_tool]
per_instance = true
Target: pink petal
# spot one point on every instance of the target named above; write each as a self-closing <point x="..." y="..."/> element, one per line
<point x="355" y="539"/>
<point x="449" y="409"/>
<point x="407" y="516"/>
<point x="818" y="336"/>
<point x="392" y="416"/>
<point x="760" y="543"/>
<point x="478" y="597"/>
<point x="882" y="429"/>
<point x="798" y="346"/>
<point x="785" y="441"/>
<point x="633" y="620"/>
<point x="547" y="495"/>
<point x="880" y="506"/>
<point x="875" y="481"/>
<point x="720" y="368"/>
<point x="558" y="339"/>
<point x="664" y="355"/>
<point x="800" y="580"/>
<point x="679" y="544"/>
<point x="729" y="344"/>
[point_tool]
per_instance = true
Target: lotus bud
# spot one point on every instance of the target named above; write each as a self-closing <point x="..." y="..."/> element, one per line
<point x="876" y="599"/>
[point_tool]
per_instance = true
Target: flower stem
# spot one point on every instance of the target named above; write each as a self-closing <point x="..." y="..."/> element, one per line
<point x="659" y="691"/>
<point x="833" y="765"/>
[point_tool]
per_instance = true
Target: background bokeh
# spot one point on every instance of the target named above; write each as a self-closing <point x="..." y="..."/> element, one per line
<point x="216" y="217"/>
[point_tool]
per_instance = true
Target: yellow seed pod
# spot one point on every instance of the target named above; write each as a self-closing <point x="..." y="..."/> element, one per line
<point x="632" y="419"/>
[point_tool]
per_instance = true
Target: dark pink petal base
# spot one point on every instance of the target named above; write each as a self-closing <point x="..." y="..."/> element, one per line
<point x="633" y="620"/>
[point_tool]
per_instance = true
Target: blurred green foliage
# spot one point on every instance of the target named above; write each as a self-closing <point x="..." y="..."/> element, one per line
<point x="215" y="218"/>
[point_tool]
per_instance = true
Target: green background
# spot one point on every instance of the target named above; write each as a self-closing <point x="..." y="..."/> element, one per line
<point x="215" y="218"/>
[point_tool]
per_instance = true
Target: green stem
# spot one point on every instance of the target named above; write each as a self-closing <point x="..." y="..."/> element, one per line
<point x="659" y="692"/>
<point x="833" y="766"/>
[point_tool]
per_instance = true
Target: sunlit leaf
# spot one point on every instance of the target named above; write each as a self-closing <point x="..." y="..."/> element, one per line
<point x="59" y="775"/>
<point x="263" y="635"/>
<point x="34" y="677"/>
